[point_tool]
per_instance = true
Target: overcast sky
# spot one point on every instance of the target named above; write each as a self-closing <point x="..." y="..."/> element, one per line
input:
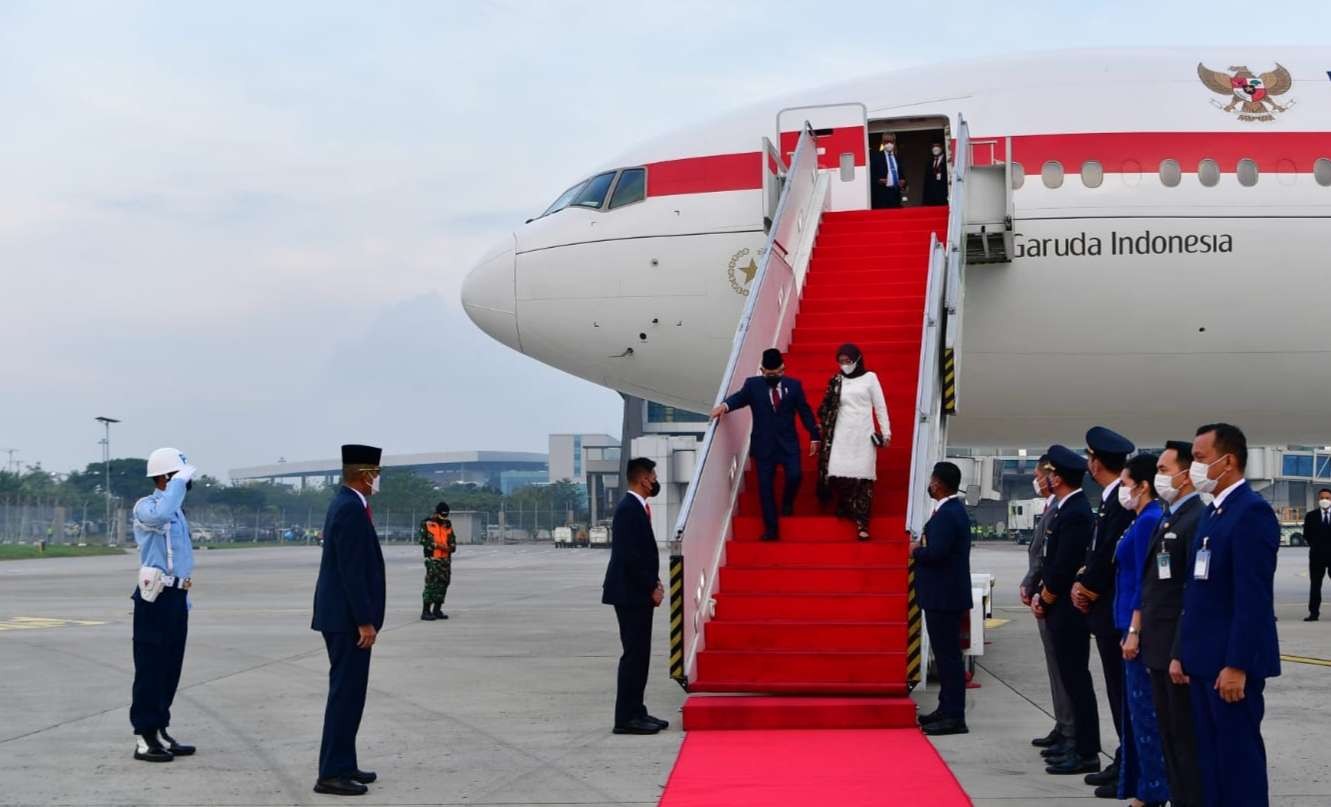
<point x="242" y="227"/>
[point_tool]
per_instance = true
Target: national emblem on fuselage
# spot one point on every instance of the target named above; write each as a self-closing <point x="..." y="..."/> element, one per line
<point x="1251" y="97"/>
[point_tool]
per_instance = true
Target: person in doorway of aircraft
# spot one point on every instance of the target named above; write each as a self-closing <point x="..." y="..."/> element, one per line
<point x="886" y="175"/>
<point x="774" y="401"/>
<point x="935" y="179"/>
<point x="848" y="461"/>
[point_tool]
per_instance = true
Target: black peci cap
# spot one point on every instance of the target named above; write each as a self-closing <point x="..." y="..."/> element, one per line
<point x="353" y="454"/>
<point x="772" y="359"/>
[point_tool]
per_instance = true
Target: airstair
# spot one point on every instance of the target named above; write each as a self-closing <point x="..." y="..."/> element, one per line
<point x="822" y="624"/>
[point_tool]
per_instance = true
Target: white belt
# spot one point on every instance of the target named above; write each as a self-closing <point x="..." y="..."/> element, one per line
<point x="175" y="582"/>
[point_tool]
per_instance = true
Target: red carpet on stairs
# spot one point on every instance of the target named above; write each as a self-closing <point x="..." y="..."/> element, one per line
<point x="820" y="613"/>
<point x="814" y="625"/>
<point x="845" y="768"/>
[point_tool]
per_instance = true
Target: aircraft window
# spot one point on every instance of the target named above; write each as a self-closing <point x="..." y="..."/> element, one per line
<point x="1018" y="175"/>
<point x="1247" y="172"/>
<point x="1170" y="173"/>
<point x="1092" y="174"/>
<point x="1322" y="171"/>
<point x="632" y="188"/>
<point x="1208" y="172"/>
<point x="593" y="193"/>
<point x="1052" y="174"/>
<point x="565" y="199"/>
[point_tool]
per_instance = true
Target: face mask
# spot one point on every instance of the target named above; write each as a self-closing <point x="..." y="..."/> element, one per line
<point x="847" y="369"/>
<point x="1039" y="489"/>
<point x="374" y="485"/>
<point x="1325" y="504"/>
<point x="772" y="380"/>
<point x="889" y="147"/>
<point x="1164" y="485"/>
<point x="1198" y="473"/>
<point x="656" y="490"/>
<point x="1126" y="498"/>
<point x="937" y="150"/>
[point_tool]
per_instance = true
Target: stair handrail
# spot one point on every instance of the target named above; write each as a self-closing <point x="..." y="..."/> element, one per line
<point x="956" y="251"/>
<point x="706" y="513"/>
<point x="925" y="449"/>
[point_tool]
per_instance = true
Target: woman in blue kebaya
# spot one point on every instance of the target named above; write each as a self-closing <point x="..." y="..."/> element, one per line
<point x="1142" y="775"/>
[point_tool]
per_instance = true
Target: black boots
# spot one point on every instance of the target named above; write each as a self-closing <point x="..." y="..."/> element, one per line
<point x="432" y="611"/>
<point x="426" y="614"/>
<point x="439" y="611"/>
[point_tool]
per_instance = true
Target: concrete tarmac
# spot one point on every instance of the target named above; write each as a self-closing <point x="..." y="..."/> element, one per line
<point x="507" y="703"/>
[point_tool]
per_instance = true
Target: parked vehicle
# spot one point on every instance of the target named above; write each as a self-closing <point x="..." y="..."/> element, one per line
<point x="599" y="536"/>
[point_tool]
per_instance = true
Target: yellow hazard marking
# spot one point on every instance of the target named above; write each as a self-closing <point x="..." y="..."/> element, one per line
<point x="42" y="623"/>
<point x="1320" y="662"/>
<point x="993" y="622"/>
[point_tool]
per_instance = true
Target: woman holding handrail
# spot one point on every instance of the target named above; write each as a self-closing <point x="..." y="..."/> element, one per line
<point x="848" y="462"/>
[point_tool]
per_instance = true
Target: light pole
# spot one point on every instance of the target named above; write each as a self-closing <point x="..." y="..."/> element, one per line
<point x="106" y="464"/>
<point x="9" y="465"/>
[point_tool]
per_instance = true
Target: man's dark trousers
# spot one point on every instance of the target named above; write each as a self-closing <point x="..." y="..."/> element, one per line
<point x="1230" y="753"/>
<point x="1173" y="707"/>
<point x="1109" y="641"/>
<point x="767" y="488"/>
<point x="160" y="629"/>
<point x="348" y="678"/>
<point x="1072" y="644"/>
<point x="945" y="643"/>
<point x="635" y="634"/>
<point x="1317" y="569"/>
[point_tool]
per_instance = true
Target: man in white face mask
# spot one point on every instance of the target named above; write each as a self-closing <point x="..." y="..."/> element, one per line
<point x="885" y="174"/>
<point x="935" y="178"/>
<point x="1317" y="534"/>
<point x="1227" y="634"/>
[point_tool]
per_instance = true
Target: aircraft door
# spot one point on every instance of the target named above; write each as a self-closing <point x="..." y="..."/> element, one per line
<point x="842" y="135"/>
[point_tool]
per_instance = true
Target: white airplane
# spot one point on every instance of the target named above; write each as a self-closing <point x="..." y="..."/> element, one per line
<point x="1172" y="217"/>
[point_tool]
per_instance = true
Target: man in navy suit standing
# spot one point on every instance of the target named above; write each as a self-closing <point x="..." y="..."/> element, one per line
<point x="633" y="586"/>
<point x="1227" y="640"/>
<point x="943" y="588"/>
<point x="349" y="602"/>
<point x="774" y="401"/>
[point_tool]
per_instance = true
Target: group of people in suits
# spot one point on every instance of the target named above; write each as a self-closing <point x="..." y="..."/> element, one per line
<point x="887" y="175"/>
<point x="1176" y="592"/>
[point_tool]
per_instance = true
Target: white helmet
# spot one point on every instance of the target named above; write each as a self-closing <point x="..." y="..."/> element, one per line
<point x="165" y="461"/>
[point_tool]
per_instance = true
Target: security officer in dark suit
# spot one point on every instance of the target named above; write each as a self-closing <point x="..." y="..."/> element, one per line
<point x="1066" y="542"/>
<point x="1317" y="534"/>
<point x="349" y="601"/>
<point x="633" y="586"/>
<point x="1163" y="577"/>
<point x="935" y="176"/>
<point x="943" y="589"/>
<point x="887" y="181"/>
<point x="1093" y="593"/>
<point x="1227" y="636"/>
<point x="774" y="401"/>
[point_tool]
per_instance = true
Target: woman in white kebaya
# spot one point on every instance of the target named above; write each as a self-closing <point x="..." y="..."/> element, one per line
<point x="848" y="464"/>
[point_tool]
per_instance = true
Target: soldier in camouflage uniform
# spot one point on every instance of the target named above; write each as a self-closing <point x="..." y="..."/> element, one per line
<point x="439" y="544"/>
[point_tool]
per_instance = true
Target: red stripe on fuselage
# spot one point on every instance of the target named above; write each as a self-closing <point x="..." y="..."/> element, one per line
<point x="710" y="174"/>
<point x="831" y="146"/>
<point x="1117" y="152"/>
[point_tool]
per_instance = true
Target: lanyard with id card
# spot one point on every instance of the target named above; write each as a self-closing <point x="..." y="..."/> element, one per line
<point x="1163" y="570"/>
<point x="1202" y="568"/>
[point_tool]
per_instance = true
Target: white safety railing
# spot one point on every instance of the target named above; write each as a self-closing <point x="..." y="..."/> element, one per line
<point x="769" y="317"/>
<point x="956" y="249"/>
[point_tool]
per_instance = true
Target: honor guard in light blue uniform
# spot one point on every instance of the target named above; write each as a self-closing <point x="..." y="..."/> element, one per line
<point x="161" y="607"/>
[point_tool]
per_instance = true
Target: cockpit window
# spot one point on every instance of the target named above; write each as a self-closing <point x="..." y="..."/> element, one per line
<point x="593" y="193"/>
<point x="632" y="188"/>
<point x="565" y="199"/>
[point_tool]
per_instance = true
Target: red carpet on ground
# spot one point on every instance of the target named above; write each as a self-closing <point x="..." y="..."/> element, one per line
<point x="811" y="768"/>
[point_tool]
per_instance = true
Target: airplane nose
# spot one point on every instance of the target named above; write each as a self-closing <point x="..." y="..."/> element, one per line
<point x="488" y="296"/>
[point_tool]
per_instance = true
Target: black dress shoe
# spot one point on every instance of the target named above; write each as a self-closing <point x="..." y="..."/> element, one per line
<point x="946" y="726"/>
<point x="1073" y="764"/>
<point x="364" y="777"/>
<point x="177" y="749"/>
<point x="1051" y="739"/>
<point x="769" y="537"/>
<point x="788" y="510"/>
<point x="1107" y="792"/>
<point x="931" y="717"/>
<point x="1108" y="776"/>
<point x="639" y="726"/>
<point x="1310" y="618"/>
<point x="1061" y="750"/>
<point x="664" y="724"/>
<point x="340" y="786"/>
<point x="149" y="749"/>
